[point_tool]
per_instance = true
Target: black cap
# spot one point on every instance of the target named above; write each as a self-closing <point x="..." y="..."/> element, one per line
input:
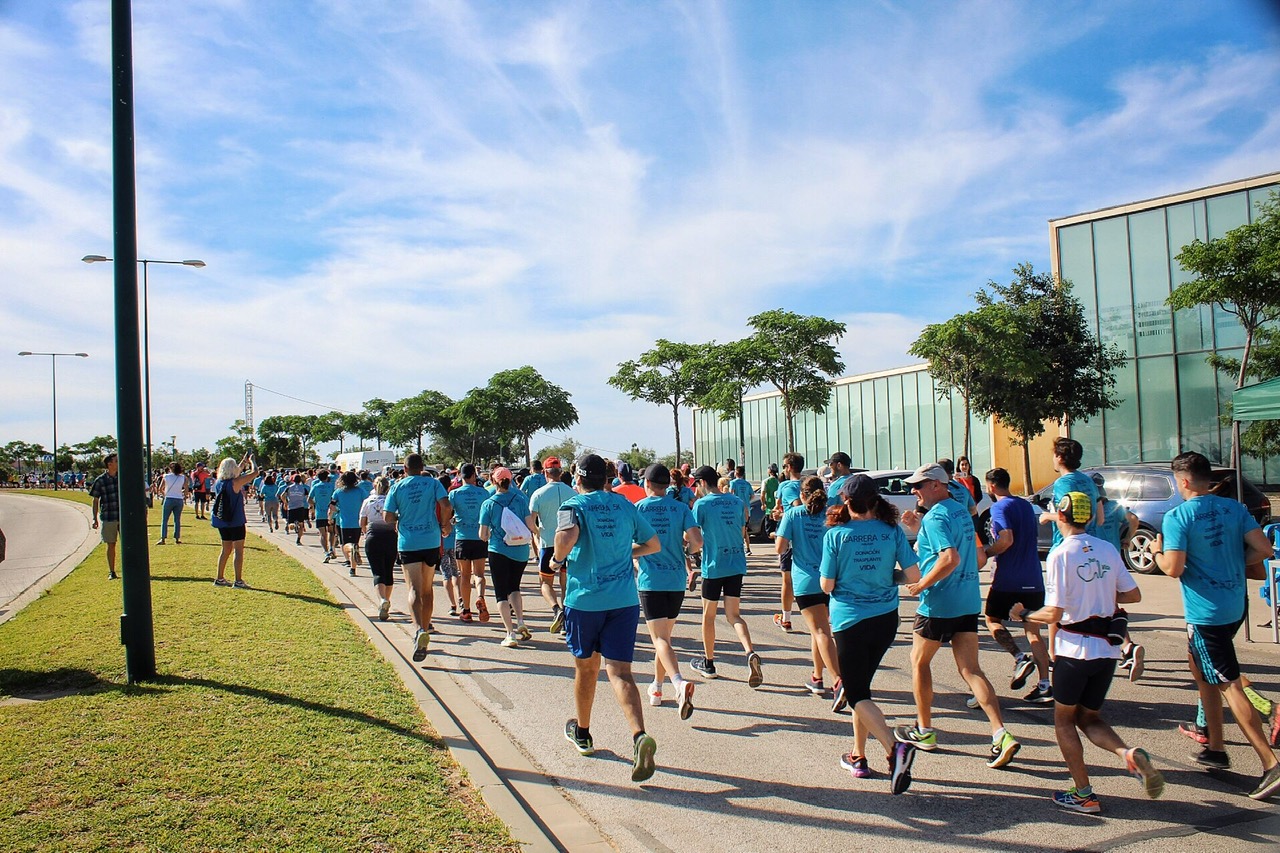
<point x="658" y="474"/>
<point x="840" y="458"/>
<point x="624" y="472"/>
<point x="591" y="466"/>
<point x="859" y="487"/>
<point x="707" y="474"/>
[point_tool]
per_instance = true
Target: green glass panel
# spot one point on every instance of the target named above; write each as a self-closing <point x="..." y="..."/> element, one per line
<point x="881" y="392"/>
<point x="927" y="399"/>
<point x="853" y="394"/>
<point x="911" y="418"/>
<point x="980" y="458"/>
<point x="1225" y="212"/>
<point x="1193" y="326"/>
<point x="1089" y="434"/>
<point x="1158" y="397"/>
<point x="1198" y="407"/>
<point x="1115" y="295"/>
<point x="1075" y="264"/>
<point x="1121" y="423"/>
<point x="942" y="426"/>
<point x="897" y="436"/>
<point x="1259" y="195"/>
<point x="1149" y="259"/>
<point x="867" y="390"/>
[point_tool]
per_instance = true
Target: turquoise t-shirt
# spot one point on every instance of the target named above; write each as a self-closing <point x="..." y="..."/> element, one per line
<point x="948" y="525"/>
<point x="257" y="484"/>
<point x="721" y="518"/>
<point x="860" y="556"/>
<point x="321" y="494"/>
<point x="685" y="495"/>
<point x="365" y="486"/>
<point x="669" y="518"/>
<point x="1115" y="519"/>
<point x="491" y="517"/>
<point x="270" y="492"/>
<point x="833" y="490"/>
<point x="1074" y="481"/>
<point x="531" y="484"/>
<point x="413" y="499"/>
<point x="805" y="531"/>
<point x="961" y="495"/>
<point x="466" y="501"/>
<point x="1211" y="530"/>
<point x="348" y="502"/>
<point x="600" y="576"/>
<point x="545" y="504"/>
<point x="742" y="490"/>
<point x="788" y="492"/>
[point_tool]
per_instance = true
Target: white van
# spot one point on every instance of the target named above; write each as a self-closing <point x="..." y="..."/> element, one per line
<point x="365" y="460"/>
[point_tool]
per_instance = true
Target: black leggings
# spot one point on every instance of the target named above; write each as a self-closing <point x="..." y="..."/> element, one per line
<point x="380" y="551"/>
<point x="506" y="574"/>
<point x="860" y="648"/>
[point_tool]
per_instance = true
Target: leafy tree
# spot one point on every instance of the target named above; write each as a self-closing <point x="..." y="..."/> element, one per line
<point x="1043" y="362"/>
<point x="330" y="427"/>
<point x="567" y="451"/>
<point x="666" y="375"/>
<point x="1260" y="438"/>
<point x="957" y="359"/>
<point x="286" y="440"/>
<point x="375" y="413"/>
<point x="410" y="419"/>
<point x="515" y="403"/>
<point x="1240" y="273"/>
<point x="673" y="461"/>
<point x="638" y="458"/>
<point x="236" y="445"/>
<point x="728" y="370"/>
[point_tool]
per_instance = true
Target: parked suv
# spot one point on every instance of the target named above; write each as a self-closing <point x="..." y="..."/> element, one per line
<point x="1148" y="491"/>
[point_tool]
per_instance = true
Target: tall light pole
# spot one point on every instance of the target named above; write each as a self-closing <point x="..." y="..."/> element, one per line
<point x="53" y="362"/>
<point x="146" y="340"/>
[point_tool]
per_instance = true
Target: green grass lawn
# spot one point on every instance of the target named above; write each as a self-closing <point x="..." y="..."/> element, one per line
<point x="274" y="724"/>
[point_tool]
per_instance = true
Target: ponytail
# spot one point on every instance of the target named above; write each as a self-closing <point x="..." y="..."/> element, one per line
<point x="883" y="510"/>
<point x="813" y="495"/>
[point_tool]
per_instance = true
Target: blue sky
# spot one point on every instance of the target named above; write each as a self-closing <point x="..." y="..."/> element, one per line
<point x="394" y="196"/>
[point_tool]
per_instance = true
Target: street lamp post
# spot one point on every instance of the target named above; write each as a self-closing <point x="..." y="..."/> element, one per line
<point x="53" y="362"/>
<point x="146" y="339"/>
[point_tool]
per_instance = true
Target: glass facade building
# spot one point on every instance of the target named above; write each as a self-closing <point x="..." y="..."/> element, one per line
<point x="1121" y="262"/>
<point x="1122" y="265"/>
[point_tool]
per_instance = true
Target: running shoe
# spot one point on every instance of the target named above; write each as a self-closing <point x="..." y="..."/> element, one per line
<point x="524" y="632"/>
<point x="583" y="742"/>
<point x="218" y="582"/>
<point x="900" y="761"/>
<point x="972" y="703"/>
<point x="1199" y="734"/>
<point x="757" y="672"/>
<point x="298" y="541"/>
<point x="838" y="700"/>
<point x="1072" y="801"/>
<point x="1039" y="696"/>
<point x="161" y="542"/>
<point x="453" y="611"/>
<point x="481" y="610"/>
<point x="510" y="641"/>
<point x="384" y="610"/>
<point x="465" y="616"/>
<point x="352" y="570"/>
<point x="420" y="643"/>
<point x="1003" y="750"/>
<point x="655" y="695"/>
<point x="642" y="765"/>
<point x="815" y="686"/>
<point x="1212" y="759"/>
<point x="1137" y="660"/>
<point x="686" y="700"/>
<point x="928" y="741"/>
<point x="784" y="624"/>
<point x="1268" y="784"/>
<point x="857" y="765"/>
<point x="1022" y="668"/>
<point x="1139" y="766"/>
<point x="557" y="620"/>
<point x="328" y="557"/>
<point x="241" y="585"/>
<point x="704" y="667"/>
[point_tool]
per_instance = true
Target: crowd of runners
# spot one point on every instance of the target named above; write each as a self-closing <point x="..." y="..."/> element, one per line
<point x="610" y="546"/>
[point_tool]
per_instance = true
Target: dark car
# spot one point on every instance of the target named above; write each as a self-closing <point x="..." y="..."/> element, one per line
<point x="1148" y="491"/>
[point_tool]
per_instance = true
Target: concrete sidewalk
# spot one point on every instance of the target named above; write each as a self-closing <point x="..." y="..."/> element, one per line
<point x="757" y="769"/>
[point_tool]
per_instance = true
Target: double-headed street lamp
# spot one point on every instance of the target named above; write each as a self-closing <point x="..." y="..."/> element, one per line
<point x="146" y="339"/>
<point x="53" y="361"/>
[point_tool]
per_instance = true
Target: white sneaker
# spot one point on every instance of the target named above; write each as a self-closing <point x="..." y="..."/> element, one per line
<point x="655" y="695"/>
<point x="384" y="610"/>
<point x="511" y="641"/>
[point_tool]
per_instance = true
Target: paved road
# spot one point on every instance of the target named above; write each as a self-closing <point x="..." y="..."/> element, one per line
<point x="757" y="769"/>
<point x="47" y="538"/>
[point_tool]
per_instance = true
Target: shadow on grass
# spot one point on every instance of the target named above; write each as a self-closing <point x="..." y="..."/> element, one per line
<point x="297" y="596"/>
<point x="49" y="684"/>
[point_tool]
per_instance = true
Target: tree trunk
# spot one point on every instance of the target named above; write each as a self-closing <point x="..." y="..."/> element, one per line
<point x="1026" y="466"/>
<point x="742" y="431"/>
<point x="419" y="444"/>
<point x="528" y="457"/>
<point x="675" y="416"/>
<point x="791" y="426"/>
<point x="1236" y="460"/>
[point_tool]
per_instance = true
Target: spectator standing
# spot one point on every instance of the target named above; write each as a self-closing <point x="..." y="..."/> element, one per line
<point x="175" y="498"/>
<point x="105" y="492"/>
<point x="233" y="479"/>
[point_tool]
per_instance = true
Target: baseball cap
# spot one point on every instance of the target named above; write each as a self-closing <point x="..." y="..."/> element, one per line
<point x="551" y="462"/>
<point x="1076" y="507"/>
<point x="932" y="471"/>
<point x="624" y="472"/>
<point x="658" y="474"/>
<point x="859" y="487"/>
<point x="498" y="474"/>
<point x="591" y="466"/>
<point x="707" y="474"/>
<point x="840" y="458"/>
<point x="199" y="464"/>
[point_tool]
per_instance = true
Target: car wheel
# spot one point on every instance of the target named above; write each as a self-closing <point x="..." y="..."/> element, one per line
<point x="1137" y="557"/>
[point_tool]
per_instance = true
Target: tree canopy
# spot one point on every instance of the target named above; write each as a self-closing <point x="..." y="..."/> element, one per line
<point x="516" y="403"/>
<point x="668" y="375"/>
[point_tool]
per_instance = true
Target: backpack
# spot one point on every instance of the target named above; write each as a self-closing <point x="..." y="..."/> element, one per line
<point x="514" y="530"/>
<point x="222" y="504"/>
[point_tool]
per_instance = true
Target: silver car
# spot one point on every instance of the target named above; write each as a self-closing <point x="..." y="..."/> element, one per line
<point x="893" y="486"/>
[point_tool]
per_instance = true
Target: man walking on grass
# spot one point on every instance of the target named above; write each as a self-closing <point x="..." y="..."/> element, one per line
<point x="598" y="534"/>
<point x="105" y="492"/>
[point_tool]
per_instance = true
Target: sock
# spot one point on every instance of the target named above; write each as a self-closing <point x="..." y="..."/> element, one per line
<point x="995" y="738"/>
<point x="582" y="733"/>
<point x="1044" y="684"/>
<point x="924" y="730"/>
<point x="1200" y="720"/>
<point x="1258" y="701"/>
<point x="635" y="738"/>
<point x="1086" y="791"/>
<point x="677" y="681"/>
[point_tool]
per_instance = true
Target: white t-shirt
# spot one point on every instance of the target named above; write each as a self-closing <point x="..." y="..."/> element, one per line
<point x="372" y="509"/>
<point x="174" y="484"/>
<point x="1083" y="576"/>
